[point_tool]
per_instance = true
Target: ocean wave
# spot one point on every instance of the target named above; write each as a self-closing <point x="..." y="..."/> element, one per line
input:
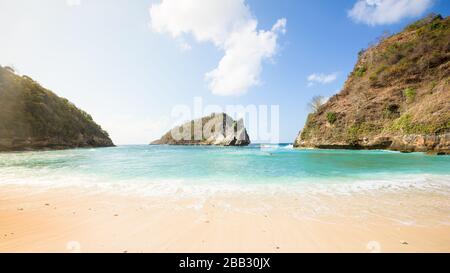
<point x="191" y="187"/>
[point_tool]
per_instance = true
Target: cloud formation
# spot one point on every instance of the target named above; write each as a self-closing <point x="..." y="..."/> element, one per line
<point x="72" y="3"/>
<point x="231" y="27"/>
<point x="380" y="12"/>
<point x="320" y="78"/>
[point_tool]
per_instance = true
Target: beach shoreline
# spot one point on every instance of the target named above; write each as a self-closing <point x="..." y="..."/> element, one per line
<point x="73" y="219"/>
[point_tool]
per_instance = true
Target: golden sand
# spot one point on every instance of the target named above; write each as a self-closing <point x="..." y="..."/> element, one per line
<point x="79" y="220"/>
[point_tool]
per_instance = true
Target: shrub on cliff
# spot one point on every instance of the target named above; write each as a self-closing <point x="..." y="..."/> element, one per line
<point x="331" y="117"/>
<point x="410" y="94"/>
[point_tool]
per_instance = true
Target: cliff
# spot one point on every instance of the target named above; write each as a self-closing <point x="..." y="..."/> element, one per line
<point x="34" y="118"/>
<point x="216" y="129"/>
<point x="396" y="98"/>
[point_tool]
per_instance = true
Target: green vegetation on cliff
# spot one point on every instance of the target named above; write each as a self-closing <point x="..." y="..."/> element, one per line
<point x="397" y="97"/>
<point x="32" y="117"/>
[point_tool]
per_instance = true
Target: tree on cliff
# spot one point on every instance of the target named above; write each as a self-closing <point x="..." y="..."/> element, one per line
<point x="316" y="103"/>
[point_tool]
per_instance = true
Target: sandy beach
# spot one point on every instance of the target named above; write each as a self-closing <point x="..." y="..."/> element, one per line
<point x="81" y="220"/>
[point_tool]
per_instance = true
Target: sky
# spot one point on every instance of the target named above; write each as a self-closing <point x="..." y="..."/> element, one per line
<point x="131" y="63"/>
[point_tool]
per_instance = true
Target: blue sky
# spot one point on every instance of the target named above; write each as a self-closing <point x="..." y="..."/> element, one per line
<point x="107" y="57"/>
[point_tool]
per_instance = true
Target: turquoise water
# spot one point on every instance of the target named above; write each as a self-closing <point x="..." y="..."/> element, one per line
<point x="167" y="168"/>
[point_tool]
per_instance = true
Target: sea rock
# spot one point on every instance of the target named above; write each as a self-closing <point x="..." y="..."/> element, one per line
<point x="34" y="118"/>
<point x="218" y="129"/>
<point x="396" y="98"/>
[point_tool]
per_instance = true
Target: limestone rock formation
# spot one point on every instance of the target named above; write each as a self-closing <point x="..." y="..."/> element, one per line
<point x="216" y="129"/>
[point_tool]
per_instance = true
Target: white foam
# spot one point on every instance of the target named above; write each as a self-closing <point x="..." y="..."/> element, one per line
<point x="48" y="178"/>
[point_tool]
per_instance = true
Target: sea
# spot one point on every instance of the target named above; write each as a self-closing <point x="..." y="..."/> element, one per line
<point x="204" y="170"/>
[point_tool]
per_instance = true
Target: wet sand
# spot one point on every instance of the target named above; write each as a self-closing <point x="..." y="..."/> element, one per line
<point x="82" y="220"/>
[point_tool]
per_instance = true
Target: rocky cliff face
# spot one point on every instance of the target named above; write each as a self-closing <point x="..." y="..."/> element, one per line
<point x="397" y="97"/>
<point x="34" y="118"/>
<point x="216" y="129"/>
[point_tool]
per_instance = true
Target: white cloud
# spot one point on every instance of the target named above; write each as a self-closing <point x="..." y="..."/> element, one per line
<point x="184" y="46"/>
<point x="72" y="3"/>
<point x="280" y="25"/>
<point x="379" y="12"/>
<point x="321" y="78"/>
<point x="231" y="27"/>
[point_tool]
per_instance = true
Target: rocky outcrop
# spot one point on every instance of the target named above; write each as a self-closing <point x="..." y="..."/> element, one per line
<point x="433" y="144"/>
<point x="216" y="129"/>
<point x="34" y="118"/>
<point x="396" y="98"/>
